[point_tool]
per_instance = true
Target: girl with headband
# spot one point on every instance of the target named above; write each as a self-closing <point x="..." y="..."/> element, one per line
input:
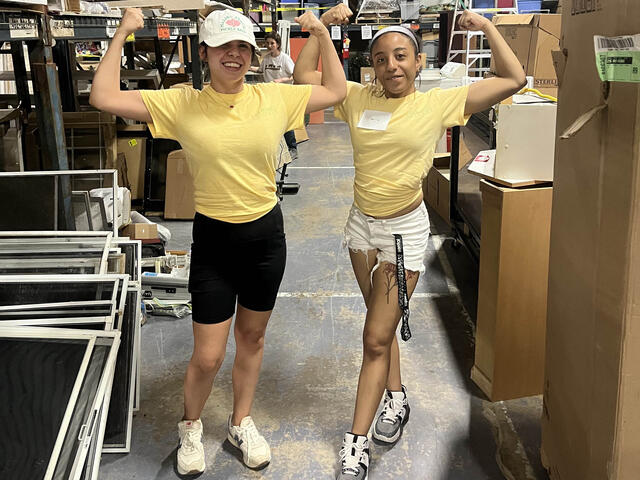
<point x="230" y="133"/>
<point x="394" y="130"/>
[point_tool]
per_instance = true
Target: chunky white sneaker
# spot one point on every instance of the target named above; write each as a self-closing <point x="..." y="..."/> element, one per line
<point x="393" y="417"/>
<point x="354" y="457"/>
<point x="255" y="449"/>
<point x="191" y="451"/>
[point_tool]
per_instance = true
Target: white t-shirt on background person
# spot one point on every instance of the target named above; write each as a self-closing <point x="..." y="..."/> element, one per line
<point x="276" y="67"/>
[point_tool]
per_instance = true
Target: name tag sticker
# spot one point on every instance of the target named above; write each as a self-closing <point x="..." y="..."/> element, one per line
<point x="374" y="120"/>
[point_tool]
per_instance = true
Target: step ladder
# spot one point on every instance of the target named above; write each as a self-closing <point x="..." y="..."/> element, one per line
<point x="470" y="56"/>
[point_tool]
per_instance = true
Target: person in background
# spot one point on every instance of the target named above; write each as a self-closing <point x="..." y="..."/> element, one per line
<point x="394" y="130"/>
<point x="229" y="132"/>
<point x="277" y="66"/>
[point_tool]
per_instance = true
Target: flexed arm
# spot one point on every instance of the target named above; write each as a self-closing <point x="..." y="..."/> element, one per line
<point x="105" y="89"/>
<point x="510" y="76"/>
<point x="333" y="84"/>
<point x="306" y="69"/>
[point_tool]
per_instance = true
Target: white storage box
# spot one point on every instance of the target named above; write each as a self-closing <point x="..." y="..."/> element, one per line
<point x="525" y="142"/>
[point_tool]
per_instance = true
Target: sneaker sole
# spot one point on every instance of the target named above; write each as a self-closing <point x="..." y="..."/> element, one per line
<point x="232" y="441"/>
<point x="391" y="440"/>
<point x="193" y="471"/>
<point x="190" y="472"/>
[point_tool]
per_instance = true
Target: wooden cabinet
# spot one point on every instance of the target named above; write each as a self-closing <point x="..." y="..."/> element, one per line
<point x="512" y="297"/>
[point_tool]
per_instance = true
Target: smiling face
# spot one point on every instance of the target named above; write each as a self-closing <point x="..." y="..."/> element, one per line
<point x="396" y="64"/>
<point x="228" y="64"/>
<point x="272" y="46"/>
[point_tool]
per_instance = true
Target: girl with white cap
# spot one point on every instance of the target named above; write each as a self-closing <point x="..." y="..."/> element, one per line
<point x="394" y="130"/>
<point x="230" y="133"/>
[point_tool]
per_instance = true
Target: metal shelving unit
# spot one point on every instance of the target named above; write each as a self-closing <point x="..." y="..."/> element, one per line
<point x="52" y="67"/>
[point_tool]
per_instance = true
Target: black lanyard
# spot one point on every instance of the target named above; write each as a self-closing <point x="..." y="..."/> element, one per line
<point x="403" y="298"/>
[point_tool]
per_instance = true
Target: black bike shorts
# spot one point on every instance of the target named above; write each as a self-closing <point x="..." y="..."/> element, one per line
<point x="235" y="261"/>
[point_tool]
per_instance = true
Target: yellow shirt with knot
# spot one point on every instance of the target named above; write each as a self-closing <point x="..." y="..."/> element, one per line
<point x="391" y="163"/>
<point x="231" y="142"/>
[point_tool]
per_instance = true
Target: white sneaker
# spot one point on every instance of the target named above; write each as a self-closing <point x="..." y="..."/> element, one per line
<point x="191" y="451"/>
<point x="354" y="457"/>
<point x="255" y="449"/>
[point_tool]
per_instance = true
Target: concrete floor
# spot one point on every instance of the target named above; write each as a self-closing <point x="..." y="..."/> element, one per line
<point x="306" y="394"/>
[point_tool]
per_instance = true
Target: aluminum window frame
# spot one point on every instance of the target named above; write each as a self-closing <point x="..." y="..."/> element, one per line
<point x="119" y="283"/>
<point x="77" y="173"/>
<point x="111" y="339"/>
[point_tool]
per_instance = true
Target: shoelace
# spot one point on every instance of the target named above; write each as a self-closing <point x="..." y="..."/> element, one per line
<point x="252" y="433"/>
<point x="350" y="463"/>
<point x="191" y="438"/>
<point x="392" y="410"/>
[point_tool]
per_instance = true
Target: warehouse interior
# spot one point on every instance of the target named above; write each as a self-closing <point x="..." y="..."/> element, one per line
<point x="522" y="363"/>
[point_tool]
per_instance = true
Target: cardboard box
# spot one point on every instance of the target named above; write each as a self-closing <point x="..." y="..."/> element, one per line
<point x="179" y="202"/>
<point x="591" y="417"/>
<point x="134" y="150"/>
<point x="140" y="231"/>
<point x="525" y="142"/>
<point x="512" y="291"/>
<point x="532" y="37"/>
<point x="367" y="75"/>
<point x="436" y="186"/>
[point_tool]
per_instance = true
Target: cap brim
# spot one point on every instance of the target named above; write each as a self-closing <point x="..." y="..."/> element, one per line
<point x="214" y="43"/>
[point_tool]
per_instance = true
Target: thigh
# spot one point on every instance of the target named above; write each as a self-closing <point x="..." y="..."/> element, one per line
<point x="384" y="311"/>
<point x="363" y="262"/>
<point x="210" y="341"/>
<point x="259" y="278"/>
<point x="251" y="322"/>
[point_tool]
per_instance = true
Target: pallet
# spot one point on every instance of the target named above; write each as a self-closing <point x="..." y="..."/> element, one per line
<point x="378" y="20"/>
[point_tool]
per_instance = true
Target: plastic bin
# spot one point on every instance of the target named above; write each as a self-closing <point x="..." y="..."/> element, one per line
<point x="290" y="14"/>
<point x="313" y="6"/>
<point x="529" y="6"/>
<point x="409" y="9"/>
<point x="430" y="48"/>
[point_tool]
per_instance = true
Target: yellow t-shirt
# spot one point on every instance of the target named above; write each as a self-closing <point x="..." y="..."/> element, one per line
<point x="230" y="141"/>
<point x="390" y="164"/>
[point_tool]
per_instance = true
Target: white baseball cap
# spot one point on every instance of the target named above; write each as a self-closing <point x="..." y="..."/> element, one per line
<point x="223" y="26"/>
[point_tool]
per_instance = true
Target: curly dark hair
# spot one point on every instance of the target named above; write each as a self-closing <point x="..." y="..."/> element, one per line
<point x="275" y="36"/>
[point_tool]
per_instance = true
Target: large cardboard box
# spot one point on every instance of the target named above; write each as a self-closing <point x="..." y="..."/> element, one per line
<point x="532" y="37"/>
<point x="591" y="415"/>
<point x="134" y="151"/>
<point x="179" y="202"/>
<point x="512" y="291"/>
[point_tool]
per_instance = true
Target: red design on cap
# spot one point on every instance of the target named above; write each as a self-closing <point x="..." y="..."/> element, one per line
<point x="232" y="22"/>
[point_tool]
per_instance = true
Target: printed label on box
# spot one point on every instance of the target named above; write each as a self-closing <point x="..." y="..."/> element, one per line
<point x="618" y="58"/>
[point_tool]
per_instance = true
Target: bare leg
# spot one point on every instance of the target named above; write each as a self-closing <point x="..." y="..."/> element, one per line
<point x="249" y="333"/>
<point x="209" y="347"/>
<point x="383" y="315"/>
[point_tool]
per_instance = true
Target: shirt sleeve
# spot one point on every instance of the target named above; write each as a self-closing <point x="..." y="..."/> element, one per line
<point x="451" y="102"/>
<point x="341" y="111"/>
<point x="295" y="98"/>
<point x="165" y="107"/>
<point x="288" y="66"/>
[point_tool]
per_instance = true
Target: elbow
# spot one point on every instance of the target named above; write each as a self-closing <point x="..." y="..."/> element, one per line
<point x="95" y="100"/>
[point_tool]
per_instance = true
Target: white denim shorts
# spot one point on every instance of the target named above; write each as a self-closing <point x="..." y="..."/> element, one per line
<point x="364" y="233"/>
